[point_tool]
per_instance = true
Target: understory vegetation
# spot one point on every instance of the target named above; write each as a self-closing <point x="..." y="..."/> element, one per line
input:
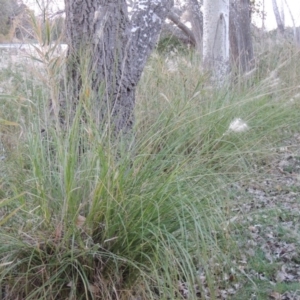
<point x="81" y="217"/>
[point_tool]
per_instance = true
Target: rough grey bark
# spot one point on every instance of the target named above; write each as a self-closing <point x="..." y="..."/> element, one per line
<point x="241" y="46"/>
<point x="196" y="19"/>
<point x="116" y="49"/>
<point x="279" y="22"/>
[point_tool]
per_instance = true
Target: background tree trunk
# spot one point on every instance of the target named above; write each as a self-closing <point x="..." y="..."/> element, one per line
<point x="116" y="50"/>
<point x="296" y="30"/>
<point x="216" y="38"/>
<point x="282" y="14"/>
<point x="279" y="22"/>
<point x="263" y="26"/>
<point x="196" y="19"/>
<point x="241" y="45"/>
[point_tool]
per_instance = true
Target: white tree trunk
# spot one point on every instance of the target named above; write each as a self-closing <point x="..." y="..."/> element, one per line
<point x="216" y="38"/>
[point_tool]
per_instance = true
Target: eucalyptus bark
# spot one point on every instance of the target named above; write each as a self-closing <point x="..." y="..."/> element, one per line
<point x="241" y="46"/>
<point x="107" y="53"/>
<point x="216" y="38"/>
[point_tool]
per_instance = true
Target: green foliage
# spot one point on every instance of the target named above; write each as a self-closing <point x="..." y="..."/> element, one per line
<point x="58" y="25"/>
<point x="47" y="31"/>
<point x="170" y="43"/>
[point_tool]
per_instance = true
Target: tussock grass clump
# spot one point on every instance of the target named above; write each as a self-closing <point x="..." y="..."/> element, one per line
<point x="85" y="225"/>
<point x="84" y="218"/>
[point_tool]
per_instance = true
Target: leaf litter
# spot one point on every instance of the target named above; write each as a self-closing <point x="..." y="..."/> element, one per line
<point x="265" y="215"/>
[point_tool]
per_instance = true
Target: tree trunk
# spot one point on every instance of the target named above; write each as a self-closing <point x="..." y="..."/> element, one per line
<point x="296" y="30"/>
<point x="240" y="35"/>
<point x="216" y="38"/>
<point x="282" y="14"/>
<point x="107" y="54"/>
<point x="263" y="26"/>
<point x="196" y="19"/>
<point x="279" y="22"/>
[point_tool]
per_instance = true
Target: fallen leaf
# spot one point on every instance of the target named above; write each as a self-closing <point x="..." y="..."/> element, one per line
<point x="252" y="228"/>
<point x="70" y="284"/>
<point x="80" y="221"/>
<point x="280" y="276"/>
<point x="93" y="289"/>
<point x="276" y="296"/>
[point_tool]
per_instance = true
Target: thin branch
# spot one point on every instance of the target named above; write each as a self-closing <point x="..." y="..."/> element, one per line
<point x="176" y="20"/>
<point x="60" y="12"/>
